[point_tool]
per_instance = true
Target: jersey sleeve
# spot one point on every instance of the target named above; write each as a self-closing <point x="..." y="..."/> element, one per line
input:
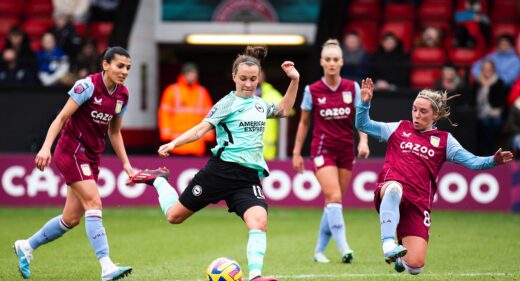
<point x="457" y="154"/>
<point x="219" y="111"/>
<point x="307" y="99"/>
<point x="379" y="130"/>
<point x="82" y="90"/>
<point x="357" y="94"/>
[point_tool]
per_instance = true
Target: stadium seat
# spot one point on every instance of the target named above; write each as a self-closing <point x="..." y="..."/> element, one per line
<point x="11" y="8"/>
<point x="435" y="11"/>
<point x="81" y="28"/>
<point x="364" y="11"/>
<point x="42" y="9"/>
<point x="367" y="32"/>
<point x="36" y="44"/>
<point x="464" y="56"/>
<point x="399" y="12"/>
<point x="423" y="77"/>
<point x="484" y="7"/>
<point x="2" y="43"/>
<point x="6" y="24"/>
<point x="502" y="28"/>
<point x="403" y="31"/>
<point x="36" y="27"/>
<point x="428" y="56"/>
<point x="504" y="11"/>
<point x="101" y="30"/>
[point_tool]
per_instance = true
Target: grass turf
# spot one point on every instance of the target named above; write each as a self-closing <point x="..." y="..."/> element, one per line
<point x="463" y="246"/>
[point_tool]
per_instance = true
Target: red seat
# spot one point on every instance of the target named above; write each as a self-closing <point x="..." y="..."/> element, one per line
<point x="36" y="44"/>
<point x="484" y="8"/>
<point x="2" y="43"/>
<point x="402" y="30"/>
<point x="41" y="9"/>
<point x="36" y="27"/>
<point x="399" y="12"/>
<point x="421" y="78"/>
<point x="504" y="11"/>
<point x="367" y="33"/>
<point x="435" y="11"/>
<point x="81" y="28"/>
<point x="101" y="30"/>
<point x="11" y="8"/>
<point x="501" y="28"/>
<point x="428" y="56"/>
<point x="464" y="56"/>
<point x="358" y="10"/>
<point x="6" y="24"/>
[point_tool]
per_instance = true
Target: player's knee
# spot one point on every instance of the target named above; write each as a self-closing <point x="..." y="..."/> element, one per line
<point x="395" y="188"/>
<point x="333" y="198"/>
<point x="72" y="222"/>
<point x="259" y="223"/>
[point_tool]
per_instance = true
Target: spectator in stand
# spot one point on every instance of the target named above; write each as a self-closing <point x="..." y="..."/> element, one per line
<point x="17" y="40"/>
<point x="53" y="63"/>
<point x="76" y="9"/>
<point x="505" y="59"/>
<point x="355" y="58"/>
<point x="471" y="25"/>
<point x="490" y="93"/>
<point x="87" y="60"/>
<point x="431" y="37"/>
<point x="390" y="64"/>
<point x="14" y="74"/>
<point x="450" y="80"/>
<point x="103" y="10"/>
<point x="67" y="38"/>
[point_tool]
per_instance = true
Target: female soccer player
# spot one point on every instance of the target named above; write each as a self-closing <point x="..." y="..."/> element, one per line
<point x="330" y="102"/>
<point x="406" y="186"/>
<point x="94" y="109"/>
<point x="233" y="173"/>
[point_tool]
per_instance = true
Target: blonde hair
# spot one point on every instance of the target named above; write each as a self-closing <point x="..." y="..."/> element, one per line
<point x="331" y="43"/>
<point x="252" y="55"/>
<point x="439" y="100"/>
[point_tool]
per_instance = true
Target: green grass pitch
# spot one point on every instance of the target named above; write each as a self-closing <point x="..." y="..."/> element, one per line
<point x="463" y="246"/>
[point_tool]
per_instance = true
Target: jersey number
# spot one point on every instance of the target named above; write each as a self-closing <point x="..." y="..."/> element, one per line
<point x="257" y="190"/>
<point x="427" y="220"/>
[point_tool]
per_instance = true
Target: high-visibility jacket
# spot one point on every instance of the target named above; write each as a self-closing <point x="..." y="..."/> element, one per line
<point x="271" y="95"/>
<point x="182" y="107"/>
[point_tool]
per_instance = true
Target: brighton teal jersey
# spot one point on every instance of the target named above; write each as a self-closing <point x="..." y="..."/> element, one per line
<point x="240" y="123"/>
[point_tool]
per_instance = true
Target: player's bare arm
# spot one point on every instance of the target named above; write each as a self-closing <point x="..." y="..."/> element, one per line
<point x="286" y="104"/>
<point x="192" y="134"/>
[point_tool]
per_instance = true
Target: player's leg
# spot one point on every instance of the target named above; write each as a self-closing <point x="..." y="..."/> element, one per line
<point x="344" y="178"/>
<point x="389" y="216"/>
<point x="174" y="211"/>
<point x="88" y="194"/>
<point x="414" y="260"/>
<point x="328" y="177"/>
<point x="52" y="230"/>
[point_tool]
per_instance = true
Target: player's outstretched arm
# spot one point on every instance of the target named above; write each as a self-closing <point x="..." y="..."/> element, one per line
<point x="301" y="134"/>
<point x="286" y="104"/>
<point x="367" y="90"/>
<point x="116" y="139"/>
<point x="502" y="157"/>
<point x="190" y="135"/>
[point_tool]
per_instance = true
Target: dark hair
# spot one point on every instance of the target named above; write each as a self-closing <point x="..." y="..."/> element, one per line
<point x="506" y="37"/>
<point x="110" y="52"/>
<point x="252" y="55"/>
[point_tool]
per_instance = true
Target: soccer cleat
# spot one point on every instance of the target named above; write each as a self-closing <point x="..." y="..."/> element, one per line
<point x="24" y="259"/>
<point x="320" y="258"/>
<point x="348" y="257"/>
<point x="119" y="273"/>
<point x="260" y="278"/>
<point x="397" y="252"/>
<point x="148" y="176"/>
<point x="398" y="265"/>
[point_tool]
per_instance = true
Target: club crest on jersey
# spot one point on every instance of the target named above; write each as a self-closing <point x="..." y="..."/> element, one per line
<point x="85" y="169"/>
<point x="435" y="141"/>
<point x="259" y="107"/>
<point x="322" y="100"/>
<point x="119" y="106"/>
<point x="98" y="101"/>
<point x="347" y="97"/>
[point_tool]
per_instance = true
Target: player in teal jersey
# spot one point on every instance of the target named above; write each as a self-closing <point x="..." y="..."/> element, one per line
<point x="233" y="173"/>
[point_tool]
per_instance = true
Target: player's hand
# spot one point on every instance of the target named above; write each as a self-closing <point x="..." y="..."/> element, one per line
<point x="290" y="70"/>
<point x="363" y="150"/>
<point x="502" y="157"/>
<point x="43" y="159"/>
<point x="130" y="172"/>
<point x="164" y="150"/>
<point x="297" y="162"/>
<point x="367" y="90"/>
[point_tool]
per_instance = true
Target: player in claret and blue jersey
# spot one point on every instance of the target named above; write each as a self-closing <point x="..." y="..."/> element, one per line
<point x="94" y="109"/>
<point x="407" y="184"/>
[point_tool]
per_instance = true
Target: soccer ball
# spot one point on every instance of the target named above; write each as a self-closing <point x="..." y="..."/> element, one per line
<point x="224" y="269"/>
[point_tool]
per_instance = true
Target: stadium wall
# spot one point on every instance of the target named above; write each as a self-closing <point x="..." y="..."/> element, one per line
<point x="458" y="188"/>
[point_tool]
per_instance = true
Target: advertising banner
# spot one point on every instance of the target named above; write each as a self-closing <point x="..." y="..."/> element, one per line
<point x="458" y="188"/>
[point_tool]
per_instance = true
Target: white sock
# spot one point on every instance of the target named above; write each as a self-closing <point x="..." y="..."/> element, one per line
<point x="106" y="264"/>
<point x="388" y="245"/>
<point x="27" y="247"/>
<point x="254" y="273"/>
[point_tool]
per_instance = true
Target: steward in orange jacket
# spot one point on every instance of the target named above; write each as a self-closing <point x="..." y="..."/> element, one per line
<point x="184" y="105"/>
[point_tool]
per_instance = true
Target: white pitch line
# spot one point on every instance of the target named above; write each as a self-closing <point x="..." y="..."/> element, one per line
<point x="366" y="275"/>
